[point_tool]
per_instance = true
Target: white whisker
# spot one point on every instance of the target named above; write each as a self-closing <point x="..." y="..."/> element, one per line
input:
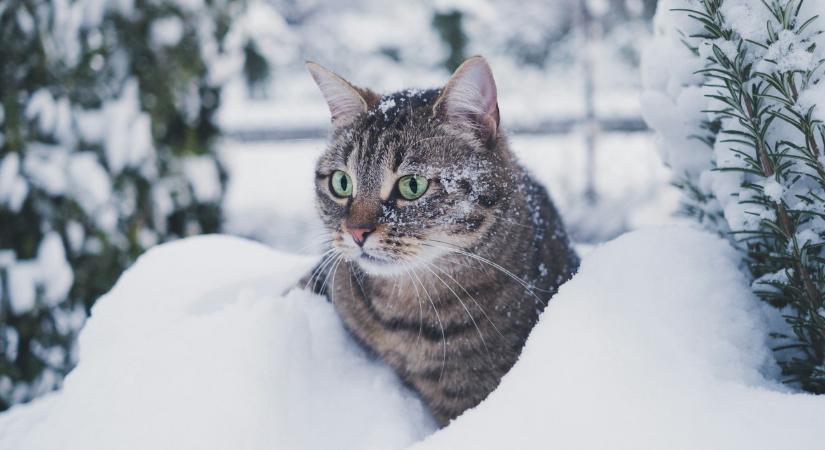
<point x="326" y="257"/>
<point x="463" y="305"/>
<point x="468" y="295"/>
<point x="530" y="288"/>
<point x="440" y="324"/>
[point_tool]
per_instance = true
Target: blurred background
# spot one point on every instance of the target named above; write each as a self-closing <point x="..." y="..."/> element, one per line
<point x="128" y="123"/>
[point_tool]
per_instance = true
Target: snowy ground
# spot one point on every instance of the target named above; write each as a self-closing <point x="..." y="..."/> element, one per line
<point x="271" y="198"/>
<point x="656" y="343"/>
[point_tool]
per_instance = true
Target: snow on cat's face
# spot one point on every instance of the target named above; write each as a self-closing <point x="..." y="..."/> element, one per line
<point x="413" y="175"/>
<point x="397" y="188"/>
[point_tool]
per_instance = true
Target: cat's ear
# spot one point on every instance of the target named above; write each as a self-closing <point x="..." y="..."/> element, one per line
<point x="470" y="98"/>
<point x="345" y="101"/>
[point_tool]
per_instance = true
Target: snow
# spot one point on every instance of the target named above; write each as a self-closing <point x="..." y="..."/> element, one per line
<point x="49" y="272"/>
<point x="81" y="155"/>
<point x="748" y="18"/>
<point x="704" y="146"/>
<point x="13" y="187"/>
<point x="88" y="181"/>
<point x="45" y="166"/>
<point x="386" y="104"/>
<point x="128" y="136"/>
<point x="388" y="46"/>
<point x="676" y="104"/>
<point x="657" y="342"/>
<point x="198" y="347"/>
<point x="166" y="32"/>
<point x="21" y="287"/>
<point x="62" y="173"/>
<point x="270" y="195"/>
<point x="787" y="54"/>
<point x="774" y="190"/>
<point x="202" y="174"/>
<point x="55" y="273"/>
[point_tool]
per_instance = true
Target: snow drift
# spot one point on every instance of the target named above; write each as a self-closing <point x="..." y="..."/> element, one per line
<point x="196" y="348"/>
<point x="656" y="343"/>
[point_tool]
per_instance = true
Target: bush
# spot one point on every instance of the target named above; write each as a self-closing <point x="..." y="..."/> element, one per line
<point x="734" y="87"/>
<point x="106" y="148"/>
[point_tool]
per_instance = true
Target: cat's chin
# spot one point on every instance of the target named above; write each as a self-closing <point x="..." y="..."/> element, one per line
<point x="380" y="267"/>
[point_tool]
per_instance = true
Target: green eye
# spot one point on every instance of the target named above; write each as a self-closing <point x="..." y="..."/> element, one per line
<point x="340" y="184"/>
<point x="412" y="187"/>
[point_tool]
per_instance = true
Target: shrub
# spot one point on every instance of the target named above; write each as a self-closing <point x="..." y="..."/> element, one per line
<point x="106" y="148"/>
<point x="734" y="88"/>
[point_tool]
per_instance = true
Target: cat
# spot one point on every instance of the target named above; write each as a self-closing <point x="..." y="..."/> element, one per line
<point x="442" y="249"/>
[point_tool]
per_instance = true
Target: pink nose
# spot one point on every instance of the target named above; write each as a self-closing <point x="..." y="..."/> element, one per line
<point x="360" y="233"/>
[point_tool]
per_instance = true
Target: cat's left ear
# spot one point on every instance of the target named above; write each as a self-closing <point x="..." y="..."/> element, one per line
<point x="345" y="101"/>
<point x="470" y="98"/>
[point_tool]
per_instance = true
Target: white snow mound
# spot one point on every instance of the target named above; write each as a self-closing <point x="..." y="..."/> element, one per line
<point x="196" y="348"/>
<point x="657" y="343"/>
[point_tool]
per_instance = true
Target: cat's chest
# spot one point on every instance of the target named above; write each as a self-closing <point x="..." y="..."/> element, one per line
<point x="401" y="324"/>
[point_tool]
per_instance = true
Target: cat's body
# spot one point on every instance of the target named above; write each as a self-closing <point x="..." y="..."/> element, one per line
<point x="445" y="286"/>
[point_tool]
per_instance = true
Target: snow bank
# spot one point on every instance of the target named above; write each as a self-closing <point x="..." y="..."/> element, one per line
<point x="195" y="348"/>
<point x="656" y="343"/>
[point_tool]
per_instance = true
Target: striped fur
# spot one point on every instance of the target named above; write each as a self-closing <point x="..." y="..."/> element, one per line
<point x="448" y="287"/>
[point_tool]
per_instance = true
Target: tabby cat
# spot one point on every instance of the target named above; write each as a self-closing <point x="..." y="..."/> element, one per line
<point x="443" y="251"/>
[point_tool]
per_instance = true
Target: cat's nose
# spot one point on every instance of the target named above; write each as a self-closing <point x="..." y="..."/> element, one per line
<point x="360" y="232"/>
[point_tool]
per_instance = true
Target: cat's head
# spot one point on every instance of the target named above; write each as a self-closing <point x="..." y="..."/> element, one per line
<point x="411" y="176"/>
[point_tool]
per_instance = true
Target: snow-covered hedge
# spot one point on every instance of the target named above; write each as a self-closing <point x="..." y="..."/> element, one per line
<point x="735" y="90"/>
<point x="106" y="137"/>
<point x="656" y="343"/>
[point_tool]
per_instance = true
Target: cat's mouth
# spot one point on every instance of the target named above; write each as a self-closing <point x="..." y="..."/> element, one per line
<point x="376" y="265"/>
<point x="364" y="256"/>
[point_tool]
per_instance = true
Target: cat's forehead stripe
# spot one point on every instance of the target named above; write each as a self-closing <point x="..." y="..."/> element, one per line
<point x="398" y="157"/>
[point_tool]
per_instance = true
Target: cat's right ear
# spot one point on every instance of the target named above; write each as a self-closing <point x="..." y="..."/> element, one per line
<point x="470" y="98"/>
<point x="345" y="101"/>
